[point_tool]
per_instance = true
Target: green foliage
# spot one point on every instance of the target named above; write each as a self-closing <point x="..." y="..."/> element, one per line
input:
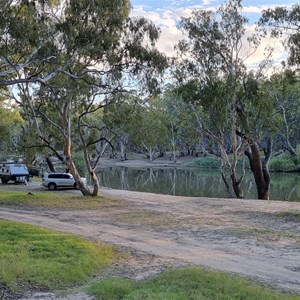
<point x="285" y="21"/>
<point x="10" y="128"/>
<point x="207" y="162"/>
<point x="80" y="163"/>
<point x="215" y="163"/>
<point x="189" y="283"/>
<point x="284" y="90"/>
<point x="284" y="162"/>
<point x="34" y="256"/>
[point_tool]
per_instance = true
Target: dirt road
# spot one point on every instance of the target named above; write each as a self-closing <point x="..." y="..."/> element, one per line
<point x="247" y="237"/>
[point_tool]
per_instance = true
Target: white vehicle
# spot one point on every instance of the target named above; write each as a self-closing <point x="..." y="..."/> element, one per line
<point x="11" y="171"/>
<point x="54" y="180"/>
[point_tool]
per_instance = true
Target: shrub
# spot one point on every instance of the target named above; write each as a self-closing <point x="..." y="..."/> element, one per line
<point x="207" y="162"/>
<point x="80" y="163"/>
<point x="282" y="163"/>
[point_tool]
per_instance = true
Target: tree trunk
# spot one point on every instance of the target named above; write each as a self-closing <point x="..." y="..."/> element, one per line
<point x="96" y="184"/>
<point x="50" y="164"/>
<point x="229" y="194"/>
<point x="151" y="154"/>
<point x="123" y="151"/>
<point x="92" y="173"/>
<point x="236" y="185"/>
<point x="68" y="153"/>
<point x="260" y="169"/>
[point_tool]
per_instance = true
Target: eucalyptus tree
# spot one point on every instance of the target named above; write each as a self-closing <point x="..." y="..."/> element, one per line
<point x="284" y="88"/>
<point x="213" y="72"/>
<point x="285" y="22"/>
<point x="151" y="131"/>
<point x="121" y="118"/>
<point x="94" y="44"/>
<point x="11" y="123"/>
<point x="68" y="119"/>
<point x="181" y="133"/>
<point x="29" y="42"/>
<point x="138" y="123"/>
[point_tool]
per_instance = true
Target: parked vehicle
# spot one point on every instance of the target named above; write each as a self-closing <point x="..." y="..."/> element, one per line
<point x="54" y="180"/>
<point x="11" y="171"/>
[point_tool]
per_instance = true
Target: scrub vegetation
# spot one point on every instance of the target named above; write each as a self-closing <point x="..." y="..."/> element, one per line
<point x="189" y="283"/>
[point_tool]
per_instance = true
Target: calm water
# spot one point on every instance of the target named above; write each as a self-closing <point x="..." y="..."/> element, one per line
<point x="192" y="182"/>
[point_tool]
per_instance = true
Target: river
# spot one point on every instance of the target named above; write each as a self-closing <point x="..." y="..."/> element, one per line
<point x="193" y="182"/>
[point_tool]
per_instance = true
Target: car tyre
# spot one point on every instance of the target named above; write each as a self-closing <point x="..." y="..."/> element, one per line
<point x="76" y="187"/>
<point x="52" y="186"/>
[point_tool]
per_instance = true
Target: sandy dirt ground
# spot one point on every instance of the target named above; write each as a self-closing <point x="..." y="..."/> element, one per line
<point x="251" y="238"/>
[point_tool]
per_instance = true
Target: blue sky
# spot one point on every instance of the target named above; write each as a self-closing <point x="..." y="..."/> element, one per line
<point x="166" y="14"/>
<point x="252" y="7"/>
<point x="175" y="4"/>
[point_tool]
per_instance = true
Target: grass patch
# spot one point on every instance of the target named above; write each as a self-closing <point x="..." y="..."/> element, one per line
<point x="290" y="215"/>
<point x="262" y="234"/>
<point x="33" y="256"/>
<point x="190" y="283"/>
<point x="55" y="200"/>
<point x="142" y="218"/>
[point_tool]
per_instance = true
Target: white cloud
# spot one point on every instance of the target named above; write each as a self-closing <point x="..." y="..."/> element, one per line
<point x="166" y="20"/>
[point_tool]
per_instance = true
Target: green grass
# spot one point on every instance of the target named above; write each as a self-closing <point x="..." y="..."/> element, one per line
<point x="290" y="215"/>
<point x="35" y="256"/>
<point x="55" y="200"/>
<point x="190" y="283"/>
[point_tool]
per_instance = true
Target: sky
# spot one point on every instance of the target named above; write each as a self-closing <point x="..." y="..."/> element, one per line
<point x="166" y="14"/>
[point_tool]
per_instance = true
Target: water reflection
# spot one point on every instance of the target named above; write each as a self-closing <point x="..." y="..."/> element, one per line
<point x="192" y="182"/>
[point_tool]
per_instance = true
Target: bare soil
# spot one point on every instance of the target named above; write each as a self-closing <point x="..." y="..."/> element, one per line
<point x="246" y="237"/>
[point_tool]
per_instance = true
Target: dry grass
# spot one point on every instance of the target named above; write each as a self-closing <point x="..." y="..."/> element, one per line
<point x="51" y="200"/>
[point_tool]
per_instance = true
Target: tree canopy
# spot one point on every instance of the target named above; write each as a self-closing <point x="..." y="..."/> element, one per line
<point x="285" y="22"/>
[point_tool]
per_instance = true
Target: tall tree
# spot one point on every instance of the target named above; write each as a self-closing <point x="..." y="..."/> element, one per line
<point x="214" y="72"/>
<point x="284" y="88"/>
<point x="88" y="45"/>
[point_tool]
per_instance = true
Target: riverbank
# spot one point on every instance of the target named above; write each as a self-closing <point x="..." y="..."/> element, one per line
<point x="140" y="161"/>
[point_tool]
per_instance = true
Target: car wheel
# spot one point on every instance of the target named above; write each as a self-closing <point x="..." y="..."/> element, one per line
<point x="52" y="186"/>
<point x="76" y="187"/>
<point x="4" y="180"/>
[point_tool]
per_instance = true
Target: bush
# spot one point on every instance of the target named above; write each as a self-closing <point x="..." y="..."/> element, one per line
<point x="80" y="163"/>
<point x="283" y="163"/>
<point x="207" y="162"/>
<point x="215" y="163"/>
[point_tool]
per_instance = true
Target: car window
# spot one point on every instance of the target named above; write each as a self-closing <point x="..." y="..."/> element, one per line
<point x="56" y="176"/>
